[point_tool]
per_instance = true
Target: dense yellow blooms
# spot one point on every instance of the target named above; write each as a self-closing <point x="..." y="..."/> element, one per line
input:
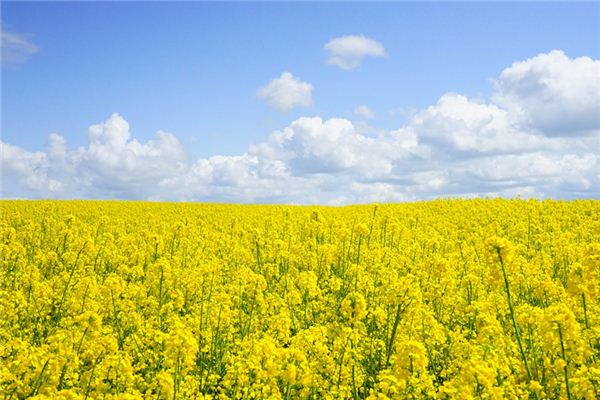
<point x="470" y="299"/>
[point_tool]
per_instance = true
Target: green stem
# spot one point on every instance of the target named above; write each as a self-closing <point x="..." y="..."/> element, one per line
<point x="176" y="376"/>
<point x="585" y="315"/>
<point x="562" y="349"/>
<point x="390" y="344"/>
<point x="512" y="315"/>
<point x="81" y="340"/>
<point x="38" y="382"/>
<point x="66" y="288"/>
<point x="89" y="385"/>
<point x="341" y="364"/>
<point x="354" y="391"/>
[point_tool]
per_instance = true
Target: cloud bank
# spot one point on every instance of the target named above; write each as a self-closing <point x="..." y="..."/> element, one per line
<point x="538" y="135"/>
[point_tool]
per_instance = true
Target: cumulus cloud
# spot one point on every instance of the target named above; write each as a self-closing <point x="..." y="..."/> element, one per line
<point x="126" y="165"/>
<point x="458" y="146"/>
<point x="286" y="92"/>
<point x="334" y="146"/>
<point x="552" y="93"/>
<point x="16" y="48"/>
<point x="348" y="52"/>
<point x="28" y="169"/>
<point x="458" y="124"/>
<point x="364" y="112"/>
<point x="112" y="165"/>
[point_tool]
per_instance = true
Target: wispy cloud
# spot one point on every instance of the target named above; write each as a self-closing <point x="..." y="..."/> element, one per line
<point x="16" y="48"/>
<point x="364" y="111"/>
<point x="348" y="52"/>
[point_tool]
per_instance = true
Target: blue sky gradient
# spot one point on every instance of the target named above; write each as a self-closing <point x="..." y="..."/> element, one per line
<point x="193" y="69"/>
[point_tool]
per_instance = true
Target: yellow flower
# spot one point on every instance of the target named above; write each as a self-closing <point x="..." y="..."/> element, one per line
<point x="354" y="307"/>
<point x="500" y="250"/>
<point x="214" y="301"/>
<point x="289" y="374"/>
<point x="361" y="229"/>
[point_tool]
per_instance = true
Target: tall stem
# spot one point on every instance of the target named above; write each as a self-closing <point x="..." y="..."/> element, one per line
<point x="562" y="349"/>
<point x="512" y="315"/>
<point x="585" y="315"/>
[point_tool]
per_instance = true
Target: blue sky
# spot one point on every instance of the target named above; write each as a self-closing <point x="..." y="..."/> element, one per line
<point x="195" y="69"/>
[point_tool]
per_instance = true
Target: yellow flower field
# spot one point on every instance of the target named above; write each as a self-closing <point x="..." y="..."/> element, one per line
<point x="449" y="299"/>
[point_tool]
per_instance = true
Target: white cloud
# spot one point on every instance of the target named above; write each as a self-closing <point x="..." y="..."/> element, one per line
<point x="364" y="112"/>
<point x="458" y="124"/>
<point x="348" y="52"/>
<point x="314" y="146"/>
<point x="552" y="93"/>
<point x="286" y="92"/>
<point x="112" y="165"/>
<point x="16" y="48"/>
<point x="456" y="147"/>
<point x="29" y="168"/>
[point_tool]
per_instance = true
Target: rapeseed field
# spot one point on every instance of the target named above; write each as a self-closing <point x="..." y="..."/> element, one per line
<point x="448" y="299"/>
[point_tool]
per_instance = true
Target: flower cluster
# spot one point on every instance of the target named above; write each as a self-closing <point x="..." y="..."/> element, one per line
<point x="449" y="299"/>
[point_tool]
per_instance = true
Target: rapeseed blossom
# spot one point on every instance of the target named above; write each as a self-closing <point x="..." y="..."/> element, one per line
<point x="449" y="299"/>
